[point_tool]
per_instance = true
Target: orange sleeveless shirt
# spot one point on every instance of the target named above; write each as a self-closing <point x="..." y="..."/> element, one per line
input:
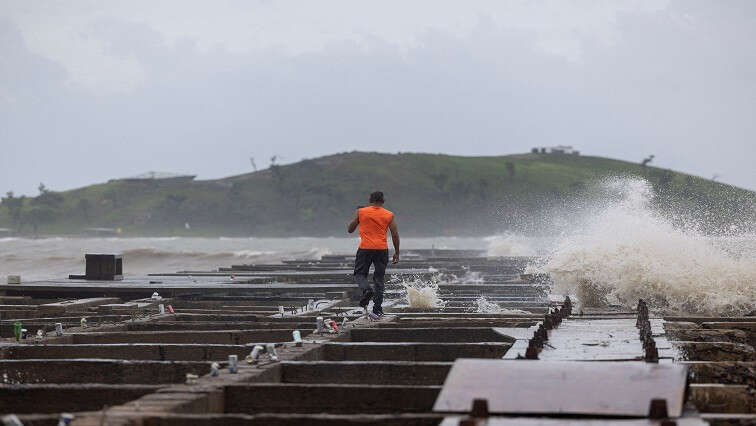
<point x="374" y="222"/>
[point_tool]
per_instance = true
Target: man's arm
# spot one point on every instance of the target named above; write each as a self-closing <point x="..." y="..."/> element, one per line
<point x="395" y="238"/>
<point x="353" y="224"/>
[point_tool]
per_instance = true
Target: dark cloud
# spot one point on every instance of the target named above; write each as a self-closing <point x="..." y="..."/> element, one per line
<point x="679" y="84"/>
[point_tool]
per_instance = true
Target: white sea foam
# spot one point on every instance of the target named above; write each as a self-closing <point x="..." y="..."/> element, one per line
<point x="626" y="251"/>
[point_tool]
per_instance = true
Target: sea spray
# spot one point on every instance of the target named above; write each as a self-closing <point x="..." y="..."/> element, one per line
<point x="468" y="277"/>
<point x="625" y="251"/>
<point x="421" y="292"/>
<point x="510" y="244"/>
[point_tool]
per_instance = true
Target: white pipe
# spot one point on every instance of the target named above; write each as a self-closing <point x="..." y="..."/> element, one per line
<point x="271" y="349"/>
<point x="255" y="354"/>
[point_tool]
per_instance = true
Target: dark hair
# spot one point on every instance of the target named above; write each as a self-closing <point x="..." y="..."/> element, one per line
<point x="376" y="197"/>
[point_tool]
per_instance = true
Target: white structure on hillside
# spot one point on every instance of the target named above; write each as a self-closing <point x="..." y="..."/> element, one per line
<point x="157" y="177"/>
<point x="558" y="149"/>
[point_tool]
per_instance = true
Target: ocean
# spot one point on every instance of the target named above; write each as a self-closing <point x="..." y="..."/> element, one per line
<point x="618" y="250"/>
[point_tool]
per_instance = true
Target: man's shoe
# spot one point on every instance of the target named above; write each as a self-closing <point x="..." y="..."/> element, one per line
<point x="379" y="312"/>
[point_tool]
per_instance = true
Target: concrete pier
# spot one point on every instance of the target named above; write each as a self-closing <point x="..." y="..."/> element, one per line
<point x="132" y="365"/>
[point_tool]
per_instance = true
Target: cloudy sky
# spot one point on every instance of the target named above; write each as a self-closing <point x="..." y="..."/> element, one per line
<point x="91" y="90"/>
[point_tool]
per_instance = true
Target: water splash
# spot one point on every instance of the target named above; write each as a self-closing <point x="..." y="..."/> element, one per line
<point x="485" y="306"/>
<point x="424" y="297"/>
<point x="421" y="292"/>
<point x="625" y="251"/>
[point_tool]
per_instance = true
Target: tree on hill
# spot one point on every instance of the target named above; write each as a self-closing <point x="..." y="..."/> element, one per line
<point x="84" y="206"/>
<point x="44" y="208"/>
<point x="38" y="215"/>
<point x="14" y="205"/>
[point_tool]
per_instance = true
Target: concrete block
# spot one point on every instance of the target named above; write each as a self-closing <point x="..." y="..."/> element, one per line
<point x="365" y="372"/>
<point x="331" y="398"/>
<point x="719" y="398"/>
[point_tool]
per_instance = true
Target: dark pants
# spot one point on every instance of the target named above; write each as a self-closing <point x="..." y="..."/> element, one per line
<point x="362" y="262"/>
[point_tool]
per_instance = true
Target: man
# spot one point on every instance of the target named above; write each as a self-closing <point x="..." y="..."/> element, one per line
<point x="373" y="221"/>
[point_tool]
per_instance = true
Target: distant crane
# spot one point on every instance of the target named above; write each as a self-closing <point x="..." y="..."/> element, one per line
<point x="252" y="160"/>
<point x="647" y="160"/>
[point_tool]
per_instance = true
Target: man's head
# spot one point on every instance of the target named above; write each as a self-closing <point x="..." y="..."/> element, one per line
<point x="376" y="197"/>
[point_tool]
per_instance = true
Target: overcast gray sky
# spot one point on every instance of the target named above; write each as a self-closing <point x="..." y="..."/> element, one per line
<point x="91" y="90"/>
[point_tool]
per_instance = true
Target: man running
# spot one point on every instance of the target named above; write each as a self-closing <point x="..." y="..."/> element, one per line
<point x="373" y="221"/>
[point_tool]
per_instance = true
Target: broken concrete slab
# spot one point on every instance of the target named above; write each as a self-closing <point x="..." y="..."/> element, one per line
<point x="718" y="335"/>
<point x="563" y="387"/>
<point x="720" y="398"/>
<point x="714" y="351"/>
<point x="725" y="372"/>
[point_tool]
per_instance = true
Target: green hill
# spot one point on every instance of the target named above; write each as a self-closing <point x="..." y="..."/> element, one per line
<point x="431" y="194"/>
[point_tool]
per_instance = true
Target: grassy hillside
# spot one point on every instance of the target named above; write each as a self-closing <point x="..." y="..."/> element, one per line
<point x="431" y="194"/>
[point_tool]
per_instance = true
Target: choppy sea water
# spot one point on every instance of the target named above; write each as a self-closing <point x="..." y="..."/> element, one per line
<point x="48" y="258"/>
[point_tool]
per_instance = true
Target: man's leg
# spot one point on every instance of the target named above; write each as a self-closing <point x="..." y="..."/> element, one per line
<point x="380" y="261"/>
<point x="361" y="269"/>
